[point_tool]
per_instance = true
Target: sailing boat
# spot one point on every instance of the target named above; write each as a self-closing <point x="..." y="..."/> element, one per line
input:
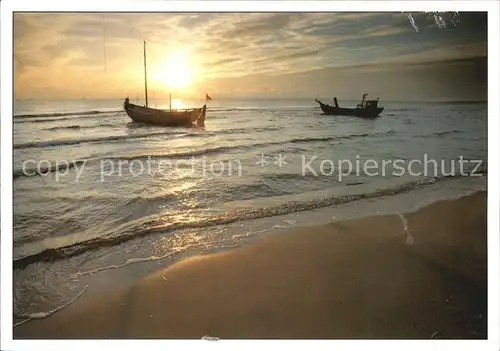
<point x="182" y="118"/>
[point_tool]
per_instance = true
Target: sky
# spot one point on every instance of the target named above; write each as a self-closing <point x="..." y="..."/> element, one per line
<point x="391" y="55"/>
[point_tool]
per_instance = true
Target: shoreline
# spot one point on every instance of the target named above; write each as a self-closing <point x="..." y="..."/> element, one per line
<point x="359" y="278"/>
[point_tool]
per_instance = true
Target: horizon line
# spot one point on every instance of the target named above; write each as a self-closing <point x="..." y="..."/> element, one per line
<point x="225" y="98"/>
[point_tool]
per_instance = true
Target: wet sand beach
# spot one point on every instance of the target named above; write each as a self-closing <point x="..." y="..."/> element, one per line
<point x="422" y="275"/>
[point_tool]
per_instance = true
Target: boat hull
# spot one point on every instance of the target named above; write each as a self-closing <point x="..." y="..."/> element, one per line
<point x="355" y="112"/>
<point x="159" y="117"/>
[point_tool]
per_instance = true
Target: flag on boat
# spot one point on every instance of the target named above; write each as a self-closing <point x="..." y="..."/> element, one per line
<point x="207" y="97"/>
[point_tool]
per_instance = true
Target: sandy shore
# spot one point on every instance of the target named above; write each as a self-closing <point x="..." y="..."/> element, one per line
<point x="350" y="279"/>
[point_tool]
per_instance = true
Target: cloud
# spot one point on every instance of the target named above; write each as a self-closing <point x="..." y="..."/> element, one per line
<point x="459" y="79"/>
<point x="100" y="54"/>
<point x="250" y="25"/>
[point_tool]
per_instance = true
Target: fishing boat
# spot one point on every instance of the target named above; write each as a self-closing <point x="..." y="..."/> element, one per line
<point x="365" y="109"/>
<point x="171" y="118"/>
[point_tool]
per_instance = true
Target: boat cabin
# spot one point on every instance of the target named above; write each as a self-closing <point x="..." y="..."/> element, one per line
<point x="368" y="103"/>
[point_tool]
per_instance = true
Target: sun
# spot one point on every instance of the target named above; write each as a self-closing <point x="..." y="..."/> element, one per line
<point x="177" y="71"/>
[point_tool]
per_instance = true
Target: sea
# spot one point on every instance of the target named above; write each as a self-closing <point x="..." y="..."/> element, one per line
<point x="101" y="201"/>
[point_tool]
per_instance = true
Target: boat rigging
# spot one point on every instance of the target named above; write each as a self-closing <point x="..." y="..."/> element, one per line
<point x="145" y="114"/>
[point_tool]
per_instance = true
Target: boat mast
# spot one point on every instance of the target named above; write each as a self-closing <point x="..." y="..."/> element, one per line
<point x="145" y="76"/>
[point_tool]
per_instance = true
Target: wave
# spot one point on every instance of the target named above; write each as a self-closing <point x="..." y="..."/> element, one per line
<point x="52" y="116"/>
<point x="263" y="109"/>
<point x="248" y="130"/>
<point x="61" y="142"/>
<point x="234" y="109"/>
<point x="46" y="117"/>
<point x="454" y="131"/>
<point x="56" y="119"/>
<point x="51" y="143"/>
<point x="35" y="171"/>
<point x="352" y="136"/>
<point x="67" y="127"/>
<point x="77" y="126"/>
<point x="42" y="120"/>
<point x="60" y="114"/>
<point x="173" y="155"/>
<point x="29" y="172"/>
<point x="167" y="223"/>
<point x="220" y="149"/>
<point x="59" y="119"/>
<point x="354" y="183"/>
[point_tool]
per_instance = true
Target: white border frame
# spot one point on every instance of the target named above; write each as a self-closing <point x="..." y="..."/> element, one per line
<point x="7" y="8"/>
